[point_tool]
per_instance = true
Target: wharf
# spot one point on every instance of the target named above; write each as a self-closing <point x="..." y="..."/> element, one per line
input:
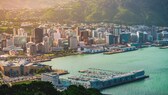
<point x="60" y="72"/>
<point x="100" y="79"/>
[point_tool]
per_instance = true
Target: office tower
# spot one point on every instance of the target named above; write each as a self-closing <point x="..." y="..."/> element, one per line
<point x="140" y="37"/>
<point x="125" y="37"/>
<point x="145" y="37"/>
<point x="40" y="48"/>
<point x="164" y="34"/>
<point x="46" y="44"/>
<point x="134" y="37"/>
<point x="31" y="48"/>
<point x="14" y="31"/>
<point x="38" y="35"/>
<point x="110" y="39"/>
<point x="73" y="43"/>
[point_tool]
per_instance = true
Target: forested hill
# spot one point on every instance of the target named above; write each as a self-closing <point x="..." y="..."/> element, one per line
<point x="122" y="11"/>
<point x="149" y="12"/>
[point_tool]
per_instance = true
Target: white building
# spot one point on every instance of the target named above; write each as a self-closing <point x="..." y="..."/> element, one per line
<point x="14" y="31"/>
<point x="94" y="33"/>
<point x="57" y="35"/>
<point x="31" y="48"/>
<point x="46" y="42"/>
<point x="165" y="34"/>
<point x="21" y="32"/>
<point x="73" y="43"/>
<point x="51" y="77"/>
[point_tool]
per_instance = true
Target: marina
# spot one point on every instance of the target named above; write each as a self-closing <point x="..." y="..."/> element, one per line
<point x="100" y="79"/>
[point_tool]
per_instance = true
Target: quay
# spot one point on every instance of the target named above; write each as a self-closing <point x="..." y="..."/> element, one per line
<point x="60" y="72"/>
<point x="101" y="79"/>
<point x="120" y="50"/>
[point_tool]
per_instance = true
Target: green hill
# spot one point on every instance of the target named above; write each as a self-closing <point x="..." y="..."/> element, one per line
<point x="152" y="12"/>
<point x="148" y="12"/>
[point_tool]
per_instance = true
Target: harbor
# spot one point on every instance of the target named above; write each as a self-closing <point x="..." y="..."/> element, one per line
<point x="101" y="79"/>
<point x="153" y="60"/>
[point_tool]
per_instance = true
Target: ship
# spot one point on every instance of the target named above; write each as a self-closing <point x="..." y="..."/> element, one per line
<point x="112" y="52"/>
<point x="101" y="79"/>
<point x="164" y="47"/>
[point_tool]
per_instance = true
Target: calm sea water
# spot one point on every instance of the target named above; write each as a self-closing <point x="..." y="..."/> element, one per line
<point x="153" y="60"/>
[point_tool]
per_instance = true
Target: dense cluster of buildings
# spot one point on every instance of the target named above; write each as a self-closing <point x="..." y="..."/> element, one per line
<point x="55" y="37"/>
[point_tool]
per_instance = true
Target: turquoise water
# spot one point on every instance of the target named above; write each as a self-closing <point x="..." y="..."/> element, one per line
<point x="153" y="60"/>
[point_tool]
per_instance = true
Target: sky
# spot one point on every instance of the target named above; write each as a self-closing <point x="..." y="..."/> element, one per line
<point x="29" y="3"/>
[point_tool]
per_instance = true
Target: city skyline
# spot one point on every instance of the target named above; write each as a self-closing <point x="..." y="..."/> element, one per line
<point x="83" y="47"/>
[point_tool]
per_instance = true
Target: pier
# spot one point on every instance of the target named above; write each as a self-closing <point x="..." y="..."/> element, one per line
<point x="100" y="79"/>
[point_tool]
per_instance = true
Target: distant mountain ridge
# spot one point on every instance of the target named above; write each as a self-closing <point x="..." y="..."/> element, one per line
<point x="148" y="12"/>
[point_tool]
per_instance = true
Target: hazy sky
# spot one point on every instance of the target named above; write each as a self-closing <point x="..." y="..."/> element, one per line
<point x="29" y="3"/>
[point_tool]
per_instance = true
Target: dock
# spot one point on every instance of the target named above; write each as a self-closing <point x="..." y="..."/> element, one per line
<point x="60" y="72"/>
<point x="100" y="79"/>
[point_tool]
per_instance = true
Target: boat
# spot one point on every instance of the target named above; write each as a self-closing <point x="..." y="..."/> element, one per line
<point x="112" y="52"/>
<point x="82" y="71"/>
<point x="164" y="47"/>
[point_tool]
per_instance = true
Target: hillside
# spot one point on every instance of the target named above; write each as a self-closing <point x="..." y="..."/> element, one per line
<point x="148" y="12"/>
<point x="122" y="11"/>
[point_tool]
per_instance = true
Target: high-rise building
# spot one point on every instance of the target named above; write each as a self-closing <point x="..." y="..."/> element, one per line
<point x="84" y="35"/>
<point x="32" y="50"/>
<point x="73" y="43"/>
<point x="116" y="39"/>
<point x="159" y="36"/>
<point x="40" y="48"/>
<point x="134" y="37"/>
<point x="3" y="43"/>
<point x="100" y="35"/>
<point x="46" y="43"/>
<point x="154" y="32"/>
<point x="164" y="34"/>
<point x="125" y="37"/>
<point x="21" y="32"/>
<point x="14" y="31"/>
<point x="150" y="38"/>
<point x="57" y="35"/>
<point x="110" y="39"/>
<point x="77" y="30"/>
<point x="38" y="35"/>
<point x="94" y="34"/>
<point x="140" y="37"/>
<point x="91" y="41"/>
<point x="145" y="37"/>
<point x="117" y="30"/>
